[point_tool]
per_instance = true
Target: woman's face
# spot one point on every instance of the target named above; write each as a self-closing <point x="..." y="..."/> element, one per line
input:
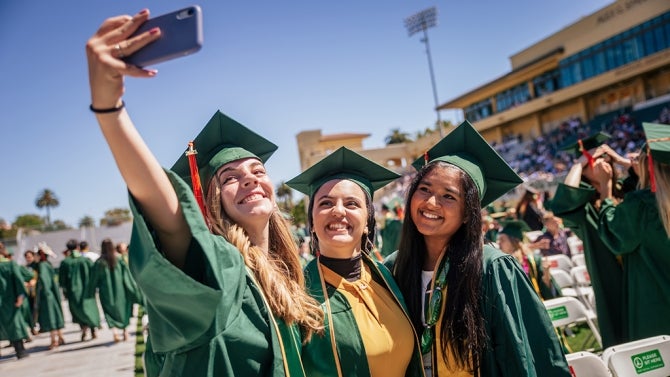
<point x="437" y="206"/>
<point x="247" y="194"/>
<point x="339" y="218"/>
<point x="30" y="257"/>
<point x="505" y="243"/>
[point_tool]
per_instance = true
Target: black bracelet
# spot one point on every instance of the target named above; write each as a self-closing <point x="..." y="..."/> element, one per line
<point x="109" y="110"/>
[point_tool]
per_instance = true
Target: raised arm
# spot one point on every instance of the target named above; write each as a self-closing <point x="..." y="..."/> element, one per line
<point x="143" y="174"/>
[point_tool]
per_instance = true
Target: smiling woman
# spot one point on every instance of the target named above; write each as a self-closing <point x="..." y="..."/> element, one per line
<point x="473" y="305"/>
<point x="368" y="332"/>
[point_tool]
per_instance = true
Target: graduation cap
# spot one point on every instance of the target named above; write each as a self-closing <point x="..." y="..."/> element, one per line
<point x="467" y="149"/>
<point x="221" y="141"/>
<point x="578" y="147"/>
<point x="343" y="164"/>
<point x="658" y="147"/>
<point x="514" y="228"/>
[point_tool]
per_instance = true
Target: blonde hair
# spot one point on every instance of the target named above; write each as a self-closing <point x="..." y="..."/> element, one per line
<point x="278" y="272"/>
<point x="662" y="175"/>
<point x="643" y="169"/>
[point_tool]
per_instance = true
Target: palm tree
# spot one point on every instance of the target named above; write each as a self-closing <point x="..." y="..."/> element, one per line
<point x="86" y="222"/>
<point x="397" y="137"/>
<point x="47" y="199"/>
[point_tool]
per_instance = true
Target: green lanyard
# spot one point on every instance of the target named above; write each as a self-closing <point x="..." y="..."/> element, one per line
<point x="433" y="305"/>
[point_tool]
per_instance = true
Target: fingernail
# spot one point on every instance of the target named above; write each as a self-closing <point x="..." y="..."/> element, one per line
<point x="154" y="30"/>
<point x="144" y="11"/>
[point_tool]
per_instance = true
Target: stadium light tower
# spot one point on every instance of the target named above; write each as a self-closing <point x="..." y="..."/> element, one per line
<point x="421" y="22"/>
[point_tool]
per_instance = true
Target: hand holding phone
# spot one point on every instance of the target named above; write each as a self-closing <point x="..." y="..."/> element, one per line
<point x="181" y="35"/>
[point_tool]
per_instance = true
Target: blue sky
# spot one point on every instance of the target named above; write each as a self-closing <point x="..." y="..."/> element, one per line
<point x="279" y="67"/>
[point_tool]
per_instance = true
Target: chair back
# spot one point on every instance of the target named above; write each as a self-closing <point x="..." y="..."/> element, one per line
<point x="586" y="364"/>
<point x="649" y="357"/>
<point x="561" y="261"/>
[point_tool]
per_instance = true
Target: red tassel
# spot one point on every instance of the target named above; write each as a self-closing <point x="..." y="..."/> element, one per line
<point x="425" y="158"/>
<point x="650" y="167"/>
<point x="195" y="178"/>
<point x="586" y="153"/>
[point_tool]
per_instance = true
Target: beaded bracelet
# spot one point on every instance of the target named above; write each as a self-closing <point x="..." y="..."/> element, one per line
<point x="109" y="110"/>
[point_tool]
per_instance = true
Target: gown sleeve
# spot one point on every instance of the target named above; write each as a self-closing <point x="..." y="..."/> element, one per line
<point x="522" y="338"/>
<point x="619" y="225"/>
<point x="182" y="306"/>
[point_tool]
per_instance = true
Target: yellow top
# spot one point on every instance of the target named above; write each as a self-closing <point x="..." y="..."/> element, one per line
<point x="385" y="330"/>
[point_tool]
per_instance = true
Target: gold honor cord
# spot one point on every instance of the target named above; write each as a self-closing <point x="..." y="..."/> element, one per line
<point x="331" y="327"/>
<point x="276" y="327"/>
<point x="533" y="278"/>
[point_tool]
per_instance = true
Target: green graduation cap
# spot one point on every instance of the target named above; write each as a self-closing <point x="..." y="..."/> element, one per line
<point x="514" y="228"/>
<point x="590" y="142"/>
<point x="467" y="149"/>
<point x="658" y="141"/>
<point x="346" y="164"/>
<point x="221" y="141"/>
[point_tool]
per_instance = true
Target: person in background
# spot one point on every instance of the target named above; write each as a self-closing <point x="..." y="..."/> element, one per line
<point x="30" y="274"/>
<point x="511" y="240"/>
<point x="554" y="240"/>
<point x="638" y="230"/>
<point x="86" y="252"/>
<point x="529" y="208"/>
<point x="368" y="332"/>
<point x="473" y="304"/>
<point x="122" y="250"/>
<point x="390" y="231"/>
<point x="117" y="289"/>
<point x="220" y="274"/>
<point x="13" y="326"/>
<point x="576" y="202"/>
<point x="48" y="299"/>
<point x="74" y="274"/>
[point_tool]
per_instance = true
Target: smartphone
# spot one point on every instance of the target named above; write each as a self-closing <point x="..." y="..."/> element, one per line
<point x="181" y="35"/>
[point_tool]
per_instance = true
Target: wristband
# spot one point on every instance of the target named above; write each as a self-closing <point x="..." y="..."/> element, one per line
<point x="108" y="110"/>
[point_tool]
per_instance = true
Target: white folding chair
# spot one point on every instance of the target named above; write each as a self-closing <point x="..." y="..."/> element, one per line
<point x="648" y="357"/>
<point x="561" y="261"/>
<point x="586" y="364"/>
<point x="580" y="275"/>
<point x="564" y="311"/>
<point x="564" y="281"/>
<point x="575" y="245"/>
<point x="578" y="260"/>
<point x="533" y="234"/>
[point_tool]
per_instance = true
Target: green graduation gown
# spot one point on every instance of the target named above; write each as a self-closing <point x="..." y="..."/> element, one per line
<point x="573" y="206"/>
<point x="521" y="338"/>
<point x="117" y="291"/>
<point x="13" y="326"/>
<point x="318" y="356"/>
<point x="73" y="276"/>
<point x="48" y="299"/>
<point x="536" y="275"/>
<point x="27" y="275"/>
<point x="209" y="319"/>
<point x="390" y="235"/>
<point x="633" y="229"/>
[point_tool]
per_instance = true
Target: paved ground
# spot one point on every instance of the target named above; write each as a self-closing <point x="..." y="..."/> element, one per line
<point x="98" y="357"/>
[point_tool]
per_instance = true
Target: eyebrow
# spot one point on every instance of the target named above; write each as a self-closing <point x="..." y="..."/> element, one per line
<point x="332" y="197"/>
<point x="429" y="183"/>
<point x="229" y="168"/>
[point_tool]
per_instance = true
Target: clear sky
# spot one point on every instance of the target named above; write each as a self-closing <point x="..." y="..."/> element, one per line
<point x="279" y="67"/>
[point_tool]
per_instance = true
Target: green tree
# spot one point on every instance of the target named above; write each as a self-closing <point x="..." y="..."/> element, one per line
<point x="397" y="137"/>
<point x="29" y="221"/>
<point x="116" y="216"/>
<point x="299" y="212"/>
<point x="59" y="225"/>
<point x="285" y="196"/>
<point x="86" y="222"/>
<point x="47" y="199"/>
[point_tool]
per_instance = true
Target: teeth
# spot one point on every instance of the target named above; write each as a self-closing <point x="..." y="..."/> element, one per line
<point x="252" y="197"/>
<point x="338" y="226"/>
<point x="429" y="215"/>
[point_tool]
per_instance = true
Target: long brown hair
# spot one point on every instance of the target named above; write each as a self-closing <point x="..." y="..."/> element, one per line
<point x="662" y="175"/>
<point x="278" y="272"/>
<point x="462" y="323"/>
<point x="108" y="253"/>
